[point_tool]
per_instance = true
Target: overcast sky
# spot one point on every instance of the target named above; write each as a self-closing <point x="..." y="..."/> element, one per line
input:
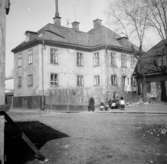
<point x="33" y="14"/>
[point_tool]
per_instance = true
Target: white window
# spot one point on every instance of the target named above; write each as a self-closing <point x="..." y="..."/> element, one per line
<point x="114" y="80"/>
<point x="113" y="60"/>
<point x="79" y="59"/>
<point x="53" y="79"/>
<point x="132" y="61"/>
<point x="19" y="84"/>
<point x="96" y="80"/>
<point x="19" y="60"/>
<point x="123" y="60"/>
<point x="30" y="56"/>
<point x="80" y="80"/>
<point x="133" y="81"/>
<point x="53" y="56"/>
<point x="96" y="59"/>
<point x="30" y="80"/>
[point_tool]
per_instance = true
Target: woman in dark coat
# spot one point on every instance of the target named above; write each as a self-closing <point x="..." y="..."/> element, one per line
<point x="91" y="105"/>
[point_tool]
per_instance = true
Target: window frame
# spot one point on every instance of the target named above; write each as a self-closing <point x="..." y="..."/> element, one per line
<point x="80" y="80"/>
<point x="30" y="80"/>
<point x="55" y="81"/>
<point x="79" y="59"/>
<point x="96" y="59"/>
<point x="96" y="80"/>
<point x="123" y="60"/>
<point x="114" y="81"/>
<point x="30" y="56"/>
<point x="113" y="60"/>
<point x="54" y="56"/>
<point x="19" y="82"/>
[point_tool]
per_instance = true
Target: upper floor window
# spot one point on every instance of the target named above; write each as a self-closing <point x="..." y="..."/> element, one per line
<point x="164" y="58"/>
<point x="79" y="59"/>
<point x="96" y="80"/>
<point x="113" y="60"/>
<point x="53" y="79"/>
<point x="19" y="84"/>
<point x="80" y="80"/>
<point x="133" y="61"/>
<point x="133" y="82"/>
<point x="53" y="56"/>
<point x="114" y="80"/>
<point x="30" y="56"/>
<point x="123" y="60"/>
<point x="96" y="59"/>
<point x="30" y="80"/>
<point x="19" y="61"/>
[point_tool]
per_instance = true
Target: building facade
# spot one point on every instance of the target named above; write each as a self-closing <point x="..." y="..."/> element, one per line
<point x="154" y="70"/>
<point x="61" y="66"/>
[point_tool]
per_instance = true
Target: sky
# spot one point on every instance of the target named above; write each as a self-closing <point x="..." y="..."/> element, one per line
<point x="33" y="14"/>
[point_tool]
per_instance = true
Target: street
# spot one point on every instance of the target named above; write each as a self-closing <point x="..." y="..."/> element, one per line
<point x="96" y="138"/>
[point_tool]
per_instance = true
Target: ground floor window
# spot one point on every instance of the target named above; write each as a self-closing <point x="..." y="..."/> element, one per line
<point x="53" y="79"/>
<point x="114" y="80"/>
<point x="80" y="80"/>
<point x="30" y="80"/>
<point x="96" y="80"/>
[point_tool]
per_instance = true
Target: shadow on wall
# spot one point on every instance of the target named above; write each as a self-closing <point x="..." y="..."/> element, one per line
<point x="17" y="151"/>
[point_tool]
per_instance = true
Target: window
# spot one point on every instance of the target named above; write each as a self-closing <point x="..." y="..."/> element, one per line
<point x="96" y="59"/>
<point x="30" y="56"/>
<point x="112" y="60"/>
<point x="79" y="59"/>
<point x="19" y="82"/>
<point x="114" y="80"/>
<point x="133" y="82"/>
<point x="123" y="60"/>
<point x="96" y="80"/>
<point x="53" y="56"/>
<point x="30" y="80"/>
<point x="80" y="80"/>
<point x="133" y="61"/>
<point x="53" y="79"/>
<point x="164" y="58"/>
<point x="19" y="61"/>
<point x="123" y="82"/>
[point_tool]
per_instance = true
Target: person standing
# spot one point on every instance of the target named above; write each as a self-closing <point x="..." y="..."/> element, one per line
<point x="91" y="105"/>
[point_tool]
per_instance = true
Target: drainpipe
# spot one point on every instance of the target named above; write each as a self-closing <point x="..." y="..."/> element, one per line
<point x="42" y="71"/>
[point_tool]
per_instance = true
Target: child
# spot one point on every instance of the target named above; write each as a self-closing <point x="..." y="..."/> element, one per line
<point x="102" y="106"/>
<point x="122" y="103"/>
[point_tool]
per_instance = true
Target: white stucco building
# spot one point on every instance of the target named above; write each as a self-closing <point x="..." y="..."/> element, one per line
<point x="68" y="66"/>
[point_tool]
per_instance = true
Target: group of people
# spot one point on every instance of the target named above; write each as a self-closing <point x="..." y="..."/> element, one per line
<point x="113" y="104"/>
<point x="116" y="103"/>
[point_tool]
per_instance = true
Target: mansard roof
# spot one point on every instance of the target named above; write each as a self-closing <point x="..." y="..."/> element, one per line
<point x="97" y="38"/>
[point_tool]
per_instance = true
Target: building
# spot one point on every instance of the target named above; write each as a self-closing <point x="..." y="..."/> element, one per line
<point x="154" y="70"/>
<point x="65" y="66"/>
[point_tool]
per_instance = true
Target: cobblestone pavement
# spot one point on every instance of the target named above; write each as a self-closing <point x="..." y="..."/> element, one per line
<point x="100" y="138"/>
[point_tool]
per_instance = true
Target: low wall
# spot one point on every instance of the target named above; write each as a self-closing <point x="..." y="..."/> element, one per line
<point x="2" y="122"/>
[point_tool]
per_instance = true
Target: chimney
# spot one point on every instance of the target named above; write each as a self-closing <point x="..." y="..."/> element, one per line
<point x="57" y="18"/>
<point x="75" y="25"/>
<point x="97" y="23"/>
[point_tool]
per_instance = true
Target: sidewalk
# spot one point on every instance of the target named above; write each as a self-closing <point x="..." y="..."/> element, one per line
<point x="154" y="108"/>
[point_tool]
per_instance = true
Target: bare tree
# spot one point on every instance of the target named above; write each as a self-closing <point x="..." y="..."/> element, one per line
<point x="131" y="17"/>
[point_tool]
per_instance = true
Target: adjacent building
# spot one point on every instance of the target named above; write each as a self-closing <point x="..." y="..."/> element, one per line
<point x="63" y="67"/>
<point x="154" y="70"/>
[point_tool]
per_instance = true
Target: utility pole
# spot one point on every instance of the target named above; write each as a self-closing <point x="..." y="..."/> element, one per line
<point x="4" y="9"/>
